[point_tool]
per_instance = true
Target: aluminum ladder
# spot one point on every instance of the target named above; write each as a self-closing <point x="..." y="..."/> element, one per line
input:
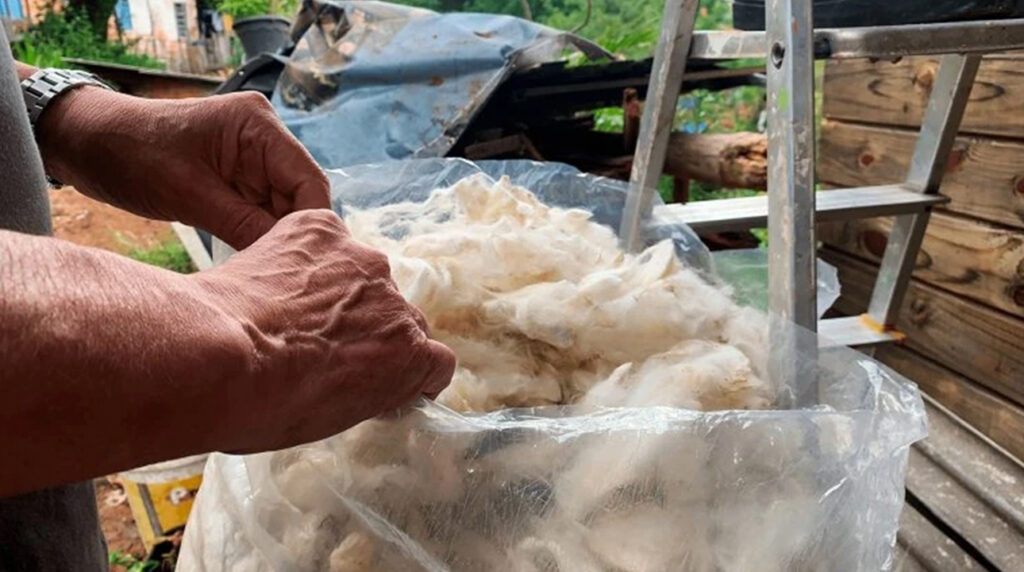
<point x="790" y="45"/>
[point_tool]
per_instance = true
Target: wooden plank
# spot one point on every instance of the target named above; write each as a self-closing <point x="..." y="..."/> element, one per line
<point x="984" y="469"/>
<point x="984" y="177"/>
<point x="997" y="418"/>
<point x="976" y="260"/>
<point x="974" y="340"/>
<point x="971" y="488"/>
<point x="904" y="561"/>
<point x="922" y="546"/>
<point x="897" y="93"/>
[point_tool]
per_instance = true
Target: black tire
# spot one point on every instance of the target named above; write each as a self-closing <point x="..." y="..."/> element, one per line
<point x="749" y="14"/>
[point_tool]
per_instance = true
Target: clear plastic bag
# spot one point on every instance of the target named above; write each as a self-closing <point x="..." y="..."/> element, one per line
<point x="564" y="489"/>
<point x="818" y="486"/>
<point x="557" y="184"/>
<point x="746" y="272"/>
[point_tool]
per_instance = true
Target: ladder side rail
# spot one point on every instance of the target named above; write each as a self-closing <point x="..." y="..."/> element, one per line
<point x="792" y="252"/>
<point x="939" y="127"/>
<point x="658" y="119"/>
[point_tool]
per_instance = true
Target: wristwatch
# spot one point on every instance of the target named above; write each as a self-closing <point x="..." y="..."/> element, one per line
<point x="47" y="84"/>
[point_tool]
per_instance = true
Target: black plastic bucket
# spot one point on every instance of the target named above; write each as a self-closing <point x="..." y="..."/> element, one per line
<point x="749" y="14"/>
<point x="262" y="34"/>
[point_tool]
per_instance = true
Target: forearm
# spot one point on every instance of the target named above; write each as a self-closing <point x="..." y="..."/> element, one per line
<point x="107" y="364"/>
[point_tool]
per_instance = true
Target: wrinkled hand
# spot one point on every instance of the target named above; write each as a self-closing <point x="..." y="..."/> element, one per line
<point x="335" y="342"/>
<point x="224" y="163"/>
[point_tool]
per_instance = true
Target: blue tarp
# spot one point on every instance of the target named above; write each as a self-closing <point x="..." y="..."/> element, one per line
<point x="372" y="82"/>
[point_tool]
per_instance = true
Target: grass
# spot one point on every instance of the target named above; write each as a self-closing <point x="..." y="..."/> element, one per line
<point x="169" y="254"/>
<point x="130" y="563"/>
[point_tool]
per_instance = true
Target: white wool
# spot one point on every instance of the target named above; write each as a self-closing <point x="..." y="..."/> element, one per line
<point x="303" y="476"/>
<point x="311" y="542"/>
<point x="357" y="553"/>
<point x="539" y="303"/>
<point x="541" y="307"/>
<point x="695" y="374"/>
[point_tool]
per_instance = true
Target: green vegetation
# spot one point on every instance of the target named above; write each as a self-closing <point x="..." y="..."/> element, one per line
<point x="95" y="12"/>
<point x="244" y="8"/>
<point x="625" y="27"/>
<point x="249" y="8"/>
<point x="69" y="33"/>
<point x="130" y="563"/>
<point x="169" y="254"/>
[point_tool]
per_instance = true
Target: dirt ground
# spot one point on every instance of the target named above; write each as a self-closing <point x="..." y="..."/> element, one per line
<point x="116" y="519"/>
<point x="81" y="220"/>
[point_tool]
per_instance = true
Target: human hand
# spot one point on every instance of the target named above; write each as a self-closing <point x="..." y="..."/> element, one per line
<point x="335" y="343"/>
<point x="225" y="163"/>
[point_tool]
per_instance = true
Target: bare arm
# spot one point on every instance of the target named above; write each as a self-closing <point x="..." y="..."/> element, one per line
<point x="223" y="163"/>
<point x="110" y="364"/>
<point x="100" y="355"/>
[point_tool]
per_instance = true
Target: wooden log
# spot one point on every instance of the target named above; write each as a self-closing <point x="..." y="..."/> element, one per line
<point x="978" y="261"/>
<point x="896" y="94"/>
<point x="997" y="418"/>
<point x="984" y="177"/>
<point x="972" y="339"/>
<point x="728" y="160"/>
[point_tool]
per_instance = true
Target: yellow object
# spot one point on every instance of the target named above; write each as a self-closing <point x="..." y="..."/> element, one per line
<point x="870" y="322"/>
<point x="160" y="508"/>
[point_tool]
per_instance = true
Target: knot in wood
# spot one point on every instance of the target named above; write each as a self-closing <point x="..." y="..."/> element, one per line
<point x="924" y="76"/>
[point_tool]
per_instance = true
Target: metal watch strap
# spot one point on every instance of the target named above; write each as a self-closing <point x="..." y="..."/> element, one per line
<point x="45" y="85"/>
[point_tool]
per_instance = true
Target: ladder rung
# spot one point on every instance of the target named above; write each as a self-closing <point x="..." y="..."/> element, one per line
<point x="853" y="331"/>
<point x="882" y="42"/>
<point x="752" y="212"/>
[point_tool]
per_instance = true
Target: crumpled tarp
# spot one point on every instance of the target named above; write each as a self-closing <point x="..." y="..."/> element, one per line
<point x="371" y="82"/>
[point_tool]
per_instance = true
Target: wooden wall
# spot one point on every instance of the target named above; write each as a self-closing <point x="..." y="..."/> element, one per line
<point x="964" y="311"/>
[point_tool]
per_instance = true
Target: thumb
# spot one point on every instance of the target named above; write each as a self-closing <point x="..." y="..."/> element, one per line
<point x="443" y="368"/>
<point x="240" y="223"/>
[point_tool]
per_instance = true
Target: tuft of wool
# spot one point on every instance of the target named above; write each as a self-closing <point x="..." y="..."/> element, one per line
<point x="539" y="304"/>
